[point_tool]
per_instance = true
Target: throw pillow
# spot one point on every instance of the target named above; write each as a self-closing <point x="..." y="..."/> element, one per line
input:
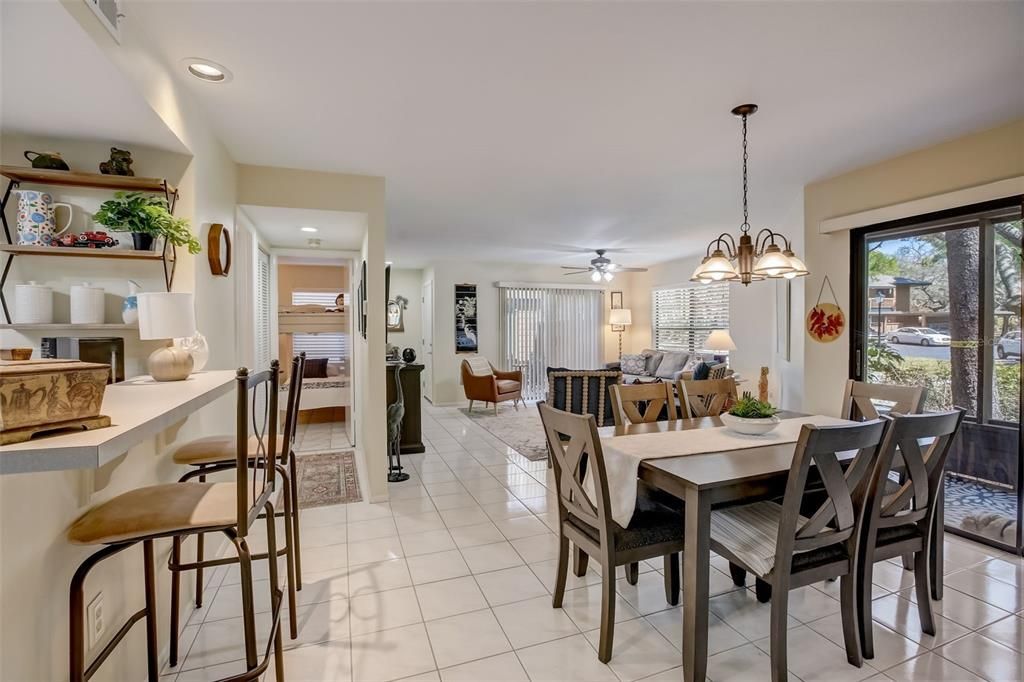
<point x="671" y="364"/>
<point x="316" y="368"/>
<point x="653" y="360"/>
<point x="701" y="371"/>
<point x="633" y="364"/>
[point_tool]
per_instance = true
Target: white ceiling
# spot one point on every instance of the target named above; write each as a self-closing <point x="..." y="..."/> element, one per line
<point x="58" y="83"/>
<point x="338" y="230"/>
<point x="529" y="131"/>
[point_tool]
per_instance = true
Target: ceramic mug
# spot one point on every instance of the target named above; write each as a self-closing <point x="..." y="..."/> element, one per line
<point x="37" y="221"/>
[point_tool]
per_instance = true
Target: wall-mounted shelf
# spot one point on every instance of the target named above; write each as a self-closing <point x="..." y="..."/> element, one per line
<point x="129" y="183"/>
<point x="67" y="326"/>
<point x="75" y="252"/>
<point x="18" y="174"/>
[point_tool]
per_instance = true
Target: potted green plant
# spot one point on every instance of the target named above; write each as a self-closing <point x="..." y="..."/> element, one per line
<point x="750" y="416"/>
<point x="146" y="216"/>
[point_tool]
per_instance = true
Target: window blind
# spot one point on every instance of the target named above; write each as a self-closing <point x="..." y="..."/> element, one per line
<point x="683" y="317"/>
<point x="327" y="299"/>
<point x="330" y="345"/>
<point x="263" y="344"/>
<point x="548" y="327"/>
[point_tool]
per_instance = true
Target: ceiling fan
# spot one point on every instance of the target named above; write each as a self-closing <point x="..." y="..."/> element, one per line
<point x="600" y="268"/>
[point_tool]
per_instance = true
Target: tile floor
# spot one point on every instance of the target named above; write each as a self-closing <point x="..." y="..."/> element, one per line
<point x="451" y="581"/>
<point x="321" y="437"/>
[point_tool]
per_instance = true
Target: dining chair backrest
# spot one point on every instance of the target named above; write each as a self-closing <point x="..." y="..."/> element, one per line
<point x="836" y="518"/>
<point x="923" y="442"/>
<point x="860" y="396"/>
<point x="256" y="414"/>
<point x="292" y="406"/>
<point x="626" y="400"/>
<point x="706" y="397"/>
<point x="576" y="449"/>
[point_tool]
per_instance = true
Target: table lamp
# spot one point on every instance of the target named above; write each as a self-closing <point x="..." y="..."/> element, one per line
<point x="619" y="319"/>
<point x="719" y="341"/>
<point x="167" y="316"/>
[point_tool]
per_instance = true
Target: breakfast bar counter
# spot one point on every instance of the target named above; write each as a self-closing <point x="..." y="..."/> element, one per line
<point x="138" y="409"/>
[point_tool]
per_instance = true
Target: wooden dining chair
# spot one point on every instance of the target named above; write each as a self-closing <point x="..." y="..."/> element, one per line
<point x="859" y="399"/>
<point x="212" y="454"/>
<point x="788" y="550"/>
<point x="901" y="523"/>
<point x="706" y="397"/>
<point x="174" y="510"/>
<point x="654" y="399"/>
<point x="584" y="518"/>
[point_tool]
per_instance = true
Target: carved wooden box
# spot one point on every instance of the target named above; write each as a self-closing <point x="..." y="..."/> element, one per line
<point x="37" y="395"/>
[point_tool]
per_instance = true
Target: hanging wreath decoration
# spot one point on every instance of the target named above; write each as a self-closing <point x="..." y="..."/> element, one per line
<point x="826" y="321"/>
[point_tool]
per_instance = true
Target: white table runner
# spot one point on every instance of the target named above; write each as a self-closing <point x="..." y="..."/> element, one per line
<point x="623" y="454"/>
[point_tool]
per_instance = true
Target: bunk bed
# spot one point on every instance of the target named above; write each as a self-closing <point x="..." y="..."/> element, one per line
<point x="330" y="383"/>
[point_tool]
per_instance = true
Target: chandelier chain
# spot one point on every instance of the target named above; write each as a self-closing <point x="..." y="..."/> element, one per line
<point x="746" y="212"/>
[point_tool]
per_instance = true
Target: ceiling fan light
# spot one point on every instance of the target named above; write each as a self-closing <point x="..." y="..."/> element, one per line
<point x="595" y="276"/>
<point x="773" y="263"/>
<point x="717" y="268"/>
<point x="608" y="276"/>
<point x="799" y="269"/>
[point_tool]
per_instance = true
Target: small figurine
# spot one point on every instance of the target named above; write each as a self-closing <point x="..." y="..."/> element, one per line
<point x="120" y="163"/>
<point x="85" y="240"/>
<point x="47" y="161"/>
<point x="762" y="385"/>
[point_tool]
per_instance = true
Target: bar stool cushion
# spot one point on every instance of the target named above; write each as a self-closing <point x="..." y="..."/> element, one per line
<point x="214" y="449"/>
<point x="157" y="510"/>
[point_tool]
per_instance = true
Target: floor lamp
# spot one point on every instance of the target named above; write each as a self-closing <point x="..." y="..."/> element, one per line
<point x="619" y="319"/>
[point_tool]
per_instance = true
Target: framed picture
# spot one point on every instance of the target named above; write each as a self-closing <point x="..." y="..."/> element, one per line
<point x="466" y="340"/>
<point x="362" y="300"/>
<point x="616" y="303"/>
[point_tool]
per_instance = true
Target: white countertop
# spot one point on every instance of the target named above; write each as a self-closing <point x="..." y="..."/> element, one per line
<point x="138" y="409"/>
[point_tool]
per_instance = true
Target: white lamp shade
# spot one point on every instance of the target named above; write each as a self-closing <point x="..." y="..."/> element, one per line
<point x="621" y="316"/>
<point x="719" y="340"/>
<point x="773" y="263"/>
<point x="166" y="315"/>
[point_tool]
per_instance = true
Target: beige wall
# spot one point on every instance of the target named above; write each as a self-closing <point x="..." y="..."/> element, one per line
<point x="977" y="159"/>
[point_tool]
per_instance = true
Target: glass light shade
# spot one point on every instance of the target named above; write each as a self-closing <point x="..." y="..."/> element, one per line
<point x="799" y="269"/>
<point x="773" y="263"/>
<point x="697" y="272"/>
<point x="608" y="276"/>
<point x="719" y="340"/>
<point x="717" y="268"/>
<point x="623" y="316"/>
<point x="166" y="315"/>
<point x="595" y="276"/>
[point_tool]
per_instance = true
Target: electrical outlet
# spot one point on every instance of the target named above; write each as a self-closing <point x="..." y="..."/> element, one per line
<point x="94" y="621"/>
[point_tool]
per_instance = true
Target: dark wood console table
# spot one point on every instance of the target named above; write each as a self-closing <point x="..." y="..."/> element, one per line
<point x="412" y="439"/>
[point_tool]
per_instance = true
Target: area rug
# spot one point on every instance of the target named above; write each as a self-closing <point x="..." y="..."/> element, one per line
<point x="519" y="429"/>
<point x="327" y="478"/>
<point x="967" y="498"/>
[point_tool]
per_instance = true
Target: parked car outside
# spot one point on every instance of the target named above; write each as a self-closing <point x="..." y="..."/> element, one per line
<point x="1009" y="345"/>
<point x="920" y="336"/>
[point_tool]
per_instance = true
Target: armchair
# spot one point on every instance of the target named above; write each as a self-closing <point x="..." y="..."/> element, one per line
<point x="482" y="382"/>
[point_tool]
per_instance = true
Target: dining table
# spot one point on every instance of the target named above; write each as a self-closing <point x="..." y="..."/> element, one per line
<point x="704" y="481"/>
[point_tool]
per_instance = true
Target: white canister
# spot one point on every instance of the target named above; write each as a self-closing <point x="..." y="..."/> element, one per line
<point x="86" y="304"/>
<point x="33" y="304"/>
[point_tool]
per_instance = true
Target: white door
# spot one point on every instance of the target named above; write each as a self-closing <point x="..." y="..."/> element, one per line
<point x="427" y="333"/>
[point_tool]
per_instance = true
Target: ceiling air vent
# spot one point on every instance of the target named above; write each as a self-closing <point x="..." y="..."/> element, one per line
<point x="110" y="15"/>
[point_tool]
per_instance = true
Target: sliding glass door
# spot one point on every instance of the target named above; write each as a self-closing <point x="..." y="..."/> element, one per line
<point x="541" y="327"/>
<point x="937" y="303"/>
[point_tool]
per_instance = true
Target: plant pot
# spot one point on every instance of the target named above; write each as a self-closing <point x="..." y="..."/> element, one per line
<point x="748" y="426"/>
<point x="142" y="241"/>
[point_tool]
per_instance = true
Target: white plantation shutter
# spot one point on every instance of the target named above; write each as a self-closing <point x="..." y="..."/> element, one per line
<point x="541" y="327"/>
<point x="263" y="342"/>
<point x="684" y="316"/>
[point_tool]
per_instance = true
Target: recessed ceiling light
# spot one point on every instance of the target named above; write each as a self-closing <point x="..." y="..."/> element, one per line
<point x="206" y="70"/>
<point x="308" y="229"/>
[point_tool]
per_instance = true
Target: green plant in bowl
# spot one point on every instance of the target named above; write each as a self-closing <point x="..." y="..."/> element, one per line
<point x="749" y="407"/>
<point x="142" y="213"/>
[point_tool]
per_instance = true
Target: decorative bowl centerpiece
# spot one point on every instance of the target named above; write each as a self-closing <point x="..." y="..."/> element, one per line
<point x="750" y="416"/>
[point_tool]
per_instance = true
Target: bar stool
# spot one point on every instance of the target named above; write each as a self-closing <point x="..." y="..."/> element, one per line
<point x="175" y="510"/>
<point x="215" y="453"/>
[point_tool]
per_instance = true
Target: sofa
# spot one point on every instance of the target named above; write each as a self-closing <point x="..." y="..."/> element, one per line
<point x="657" y="365"/>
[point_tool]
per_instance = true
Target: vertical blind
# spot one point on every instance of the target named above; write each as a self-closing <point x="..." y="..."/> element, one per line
<point x="548" y="327"/>
<point x="684" y="316"/>
<point x="263" y="347"/>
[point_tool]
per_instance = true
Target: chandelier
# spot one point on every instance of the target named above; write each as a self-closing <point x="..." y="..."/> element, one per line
<point x="767" y="255"/>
